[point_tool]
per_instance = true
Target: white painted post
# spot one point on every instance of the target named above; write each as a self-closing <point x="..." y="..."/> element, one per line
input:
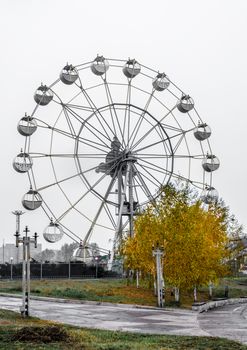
<point x="158" y="253"/>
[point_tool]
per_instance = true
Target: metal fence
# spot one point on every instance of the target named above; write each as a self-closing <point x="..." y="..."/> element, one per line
<point x="54" y="270"/>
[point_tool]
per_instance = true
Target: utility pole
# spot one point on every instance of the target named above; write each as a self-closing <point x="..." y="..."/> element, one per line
<point x="3" y="252"/>
<point x="26" y="241"/>
<point x="17" y="213"/>
<point x="158" y="254"/>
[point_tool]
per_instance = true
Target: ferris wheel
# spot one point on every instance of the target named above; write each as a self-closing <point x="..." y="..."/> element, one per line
<point x="101" y="142"/>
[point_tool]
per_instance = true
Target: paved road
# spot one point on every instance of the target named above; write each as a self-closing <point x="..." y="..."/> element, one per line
<point x="229" y="321"/>
<point x="166" y="321"/>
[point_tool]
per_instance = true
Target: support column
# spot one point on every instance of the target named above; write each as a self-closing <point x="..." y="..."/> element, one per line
<point x="131" y="202"/>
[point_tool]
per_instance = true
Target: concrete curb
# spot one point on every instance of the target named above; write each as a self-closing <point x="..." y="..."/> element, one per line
<point x="87" y="302"/>
<point x="198" y="307"/>
<point x="202" y="307"/>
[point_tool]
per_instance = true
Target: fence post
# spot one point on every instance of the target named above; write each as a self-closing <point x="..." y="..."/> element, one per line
<point x="41" y="269"/>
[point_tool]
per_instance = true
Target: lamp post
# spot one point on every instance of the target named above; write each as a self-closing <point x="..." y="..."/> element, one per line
<point x="235" y="266"/>
<point x="11" y="268"/>
<point x="18" y="214"/>
<point x="69" y="268"/>
<point x="96" y="266"/>
<point x="26" y="242"/>
<point x="158" y="253"/>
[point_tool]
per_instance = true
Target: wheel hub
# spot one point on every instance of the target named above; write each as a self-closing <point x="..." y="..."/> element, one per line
<point x="116" y="159"/>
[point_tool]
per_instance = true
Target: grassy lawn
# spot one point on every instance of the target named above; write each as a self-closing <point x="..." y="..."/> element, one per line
<point x="119" y="291"/>
<point x="32" y="333"/>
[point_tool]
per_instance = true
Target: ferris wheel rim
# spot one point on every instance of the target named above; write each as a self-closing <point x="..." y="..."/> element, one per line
<point x="77" y="138"/>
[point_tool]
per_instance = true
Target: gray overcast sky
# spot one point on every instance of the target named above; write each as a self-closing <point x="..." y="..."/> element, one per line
<point x="201" y="45"/>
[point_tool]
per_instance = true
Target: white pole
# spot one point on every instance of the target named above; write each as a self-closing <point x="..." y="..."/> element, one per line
<point x="158" y="253"/>
<point x="23" y="278"/>
<point x="28" y="277"/>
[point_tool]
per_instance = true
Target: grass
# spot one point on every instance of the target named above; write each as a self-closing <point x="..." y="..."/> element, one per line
<point x="108" y="290"/>
<point x="32" y="333"/>
<point x="120" y="291"/>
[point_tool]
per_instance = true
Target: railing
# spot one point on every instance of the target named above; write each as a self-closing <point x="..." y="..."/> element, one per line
<point x="55" y="271"/>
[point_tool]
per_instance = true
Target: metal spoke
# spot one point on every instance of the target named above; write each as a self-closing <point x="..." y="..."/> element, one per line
<point x="150" y="130"/>
<point x="150" y="176"/>
<point x="104" y="199"/>
<point x="156" y="168"/>
<point x="109" y="99"/>
<point x="85" y="123"/>
<point x="68" y="178"/>
<point x="182" y="132"/>
<point x="178" y="144"/>
<point x="143" y="186"/>
<point x="72" y="130"/>
<point x="140" y="120"/>
<point x="152" y="164"/>
<point x="112" y="105"/>
<point x="110" y="216"/>
<point x="85" y="141"/>
<point x="164" y="156"/>
<point x="68" y="155"/>
<point x="57" y="182"/>
<point x="90" y="189"/>
<point x="96" y="112"/>
<point x="126" y="111"/>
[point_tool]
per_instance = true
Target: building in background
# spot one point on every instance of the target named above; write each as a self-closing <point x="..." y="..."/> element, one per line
<point x="9" y="250"/>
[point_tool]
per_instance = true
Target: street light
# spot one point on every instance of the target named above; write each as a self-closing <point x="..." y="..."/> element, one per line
<point x="26" y="243"/>
<point x="235" y="266"/>
<point x="96" y="266"/>
<point x="11" y="268"/>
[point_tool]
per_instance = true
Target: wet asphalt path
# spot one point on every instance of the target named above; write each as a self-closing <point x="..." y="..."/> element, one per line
<point x="229" y="321"/>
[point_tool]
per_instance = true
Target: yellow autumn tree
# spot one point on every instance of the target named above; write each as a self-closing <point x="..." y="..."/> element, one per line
<point x="194" y="239"/>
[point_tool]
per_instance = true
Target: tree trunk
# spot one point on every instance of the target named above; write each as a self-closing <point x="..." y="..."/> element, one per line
<point x="137" y="279"/>
<point x="210" y="289"/>
<point x="195" y="294"/>
<point x="177" y="294"/>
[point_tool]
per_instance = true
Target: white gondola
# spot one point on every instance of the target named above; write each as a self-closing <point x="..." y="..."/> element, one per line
<point x="209" y="195"/>
<point x="81" y="254"/>
<point x="210" y="163"/>
<point x="27" y="126"/>
<point x="161" y="82"/>
<point x="100" y="65"/>
<point x="53" y="232"/>
<point x="131" y="68"/>
<point x="68" y="74"/>
<point x="22" y="162"/>
<point x="43" y="95"/>
<point x="31" y="200"/>
<point x="185" y="104"/>
<point x="202" y="132"/>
